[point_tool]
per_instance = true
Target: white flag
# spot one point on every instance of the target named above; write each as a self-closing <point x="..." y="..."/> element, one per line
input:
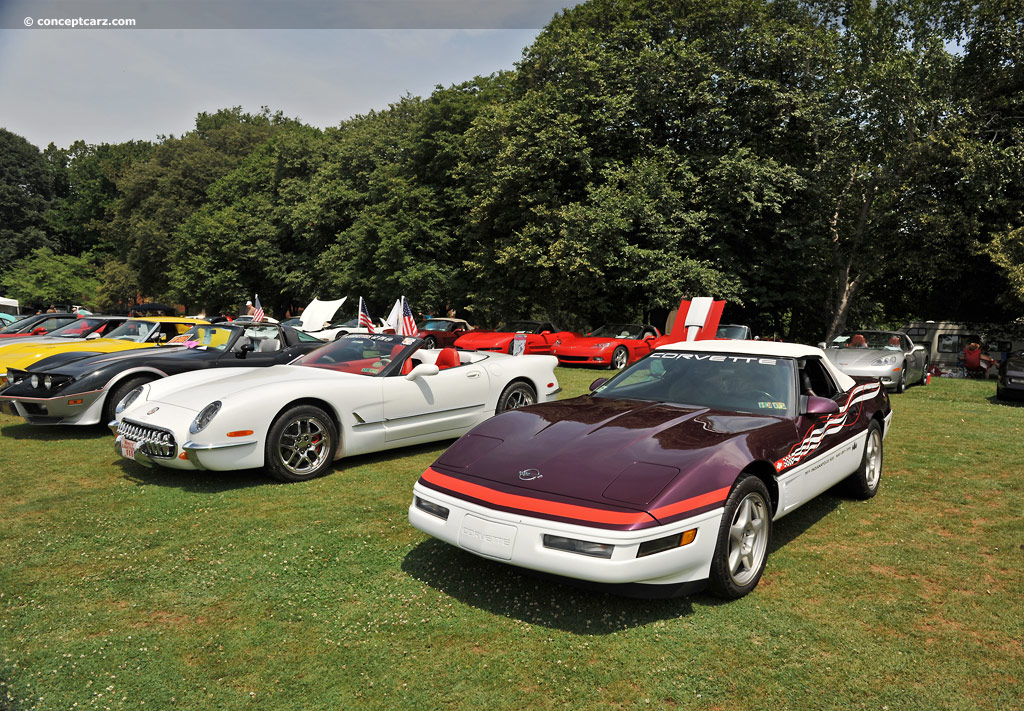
<point x="394" y="319"/>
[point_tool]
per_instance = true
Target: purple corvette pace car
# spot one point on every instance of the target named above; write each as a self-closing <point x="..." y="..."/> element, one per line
<point x="665" y="479"/>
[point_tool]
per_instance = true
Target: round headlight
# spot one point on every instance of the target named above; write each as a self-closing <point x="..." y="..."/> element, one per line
<point x="47" y="382"/>
<point x="34" y="381"/>
<point x="204" y="417"/>
<point x="127" y="400"/>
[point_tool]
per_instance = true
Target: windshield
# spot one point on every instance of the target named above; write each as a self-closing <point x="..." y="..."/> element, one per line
<point x="734" y="383"/>
<point x="79" y="327"/>
<point x="519" y="327"/>
<point x="435" y="324"/>
<point x="205" y="338"/>
<point x="619" y="330"/>
<point x="881" y="340"/>
<point x="133" y="330"/>
<point x="733" y="333"/>
<point x="360" y="354"/>
<point x="350" y="323"/>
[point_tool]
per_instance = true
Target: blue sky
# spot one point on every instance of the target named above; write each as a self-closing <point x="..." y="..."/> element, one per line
<point x="107" y="86"/>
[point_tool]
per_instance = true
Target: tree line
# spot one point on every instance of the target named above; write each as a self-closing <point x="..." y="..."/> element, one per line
<point x="816" y="164"/>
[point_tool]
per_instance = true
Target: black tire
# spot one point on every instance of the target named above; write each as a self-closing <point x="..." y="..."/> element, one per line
<point x="743" y="538"/>
<point x="339" y="334"/>
<point x="863" y="483"/>
<point x="116" y="395"/>
<point x="620" y="358"/>
<point x="430" y="342"/>
<point x="300" y="444"/>
<point x="901" y="384"/>
<point x="514" y="396"/>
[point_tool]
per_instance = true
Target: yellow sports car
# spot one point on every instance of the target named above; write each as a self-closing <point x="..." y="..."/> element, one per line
<point x="134" y="333"/>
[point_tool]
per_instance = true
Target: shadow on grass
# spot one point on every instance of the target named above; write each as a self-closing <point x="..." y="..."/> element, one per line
<point x="1005" y="403"/>
<point x="517" y="594"/>
<point x="559" y="604"/>
<point x="49" y="433"/>
<point x="196" y="482"/>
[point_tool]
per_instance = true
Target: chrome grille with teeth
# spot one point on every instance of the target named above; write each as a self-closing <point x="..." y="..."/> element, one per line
<point x="150" y="440"/>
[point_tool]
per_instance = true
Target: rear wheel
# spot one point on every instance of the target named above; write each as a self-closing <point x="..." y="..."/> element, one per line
<point x="430" y="342"/>
<point x="620" y="357"/>
<point x="924" y="374"/>
<point x="864" y="482"/>
<point x="116" y="395"/>
<point x="743" y="536"/>
<point x="300" y="444"/>
<point x="514" y="396"/>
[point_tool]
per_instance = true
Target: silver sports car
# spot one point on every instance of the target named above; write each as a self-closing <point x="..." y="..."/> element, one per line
<point x="889" y="356"/>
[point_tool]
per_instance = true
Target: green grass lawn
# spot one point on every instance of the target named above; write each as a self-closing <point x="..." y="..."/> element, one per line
<point x="123" y="587"/>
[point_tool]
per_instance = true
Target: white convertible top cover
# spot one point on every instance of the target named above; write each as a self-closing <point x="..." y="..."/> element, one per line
<point x="769" y="349"/>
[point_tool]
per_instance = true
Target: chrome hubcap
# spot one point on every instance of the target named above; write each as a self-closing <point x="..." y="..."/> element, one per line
<point x="518" y="398"/>
<point x="619" y="360"/>
<point x="304" y="445"/>
<point x="873" y="460"/>
<point x="748" y="539"/>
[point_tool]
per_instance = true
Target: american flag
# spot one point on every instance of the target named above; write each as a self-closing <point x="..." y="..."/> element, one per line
<point x="258" y="314"/>
<point x="408" y="322"/>
<point x="364" y="316"/>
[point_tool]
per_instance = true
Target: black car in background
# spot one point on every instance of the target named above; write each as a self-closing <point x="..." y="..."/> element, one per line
<point x="83" y="388"/>
<point x="1010" y="384"/>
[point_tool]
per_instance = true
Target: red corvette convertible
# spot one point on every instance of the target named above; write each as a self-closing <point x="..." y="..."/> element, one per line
<point x="540" y="337"/>
<point x="442" y="332"/>
<point x="614" y="345"/>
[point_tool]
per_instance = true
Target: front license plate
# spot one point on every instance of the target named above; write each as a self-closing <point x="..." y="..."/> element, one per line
<point x="487" y="538"/>
<point x="127" y="449"/>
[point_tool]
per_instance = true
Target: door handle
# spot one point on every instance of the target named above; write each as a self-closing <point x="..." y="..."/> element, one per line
<point x="473" y="374"/>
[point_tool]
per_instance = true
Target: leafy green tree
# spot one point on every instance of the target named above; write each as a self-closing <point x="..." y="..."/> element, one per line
<point x="26" y="189"/>
<point x="47" y="278"/>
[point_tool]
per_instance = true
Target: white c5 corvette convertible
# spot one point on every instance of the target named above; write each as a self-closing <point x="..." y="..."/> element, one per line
<point x="359" y="394"/>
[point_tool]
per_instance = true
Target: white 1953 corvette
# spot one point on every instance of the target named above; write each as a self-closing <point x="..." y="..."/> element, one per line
<point x="359" y="394"/>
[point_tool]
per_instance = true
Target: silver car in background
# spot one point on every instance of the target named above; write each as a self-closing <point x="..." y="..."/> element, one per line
<point x="889" y="356"/>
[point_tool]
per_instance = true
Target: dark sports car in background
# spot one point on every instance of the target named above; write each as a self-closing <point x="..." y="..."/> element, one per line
<point x="540" y="337"/>
<point x="83" y="388"/>
<point x="665" y="478"/>
<point x="1010" y="385"/>
<point x="614" y="345"/>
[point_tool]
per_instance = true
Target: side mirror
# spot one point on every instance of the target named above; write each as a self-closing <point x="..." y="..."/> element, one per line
<point x="421" y="370"/>
<point x="597" y="383"/>
<point x="821" y="345"/>
<point x="245" y="349"/>
<point x="820" y="406"/>
<point x="919" y="349"/>
<point x="92" y="336"/>
<point x="545" y="332"/>
<point x="38" y="331"/>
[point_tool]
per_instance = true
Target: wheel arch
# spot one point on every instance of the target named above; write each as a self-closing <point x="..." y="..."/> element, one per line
<point x="766" y="473"/>
<point x="315" y="402"/>
<point x="149" y="373"/>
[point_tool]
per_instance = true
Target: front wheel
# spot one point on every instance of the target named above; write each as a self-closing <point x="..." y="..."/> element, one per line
<point x="117" y="394"/>
<point x="430" y="343"/>
<point x="743" y="536"/>
<point x="301" y="444"/>
<point x="924" y="374"/>
<point x="901" y="385"/>
<point x="620" y="357"/>
<point x="864" y="482"/>
<point x="514" y="396"/>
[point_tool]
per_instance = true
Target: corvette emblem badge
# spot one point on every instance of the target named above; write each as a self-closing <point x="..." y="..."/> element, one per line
<point x="153" y="410"/>
<point x="530" y="474"/>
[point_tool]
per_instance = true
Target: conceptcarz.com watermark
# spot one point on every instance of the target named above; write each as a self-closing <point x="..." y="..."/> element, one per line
<point x="75" y="22"/>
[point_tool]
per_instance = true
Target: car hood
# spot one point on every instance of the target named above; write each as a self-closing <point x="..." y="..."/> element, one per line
<point x="485" y="338"/>
<point x="854" y="357"/>
<point x="614" y="452"/>
<point x="573" y="341"/>
<point x="317" y="313"/>
<point x="196" y="389"/>
<point x="79" y="363"/>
